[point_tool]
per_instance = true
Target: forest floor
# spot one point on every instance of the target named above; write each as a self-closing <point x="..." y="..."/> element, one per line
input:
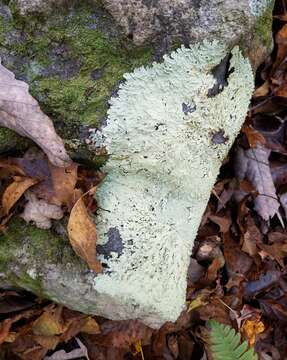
<point x="238" y="272"/>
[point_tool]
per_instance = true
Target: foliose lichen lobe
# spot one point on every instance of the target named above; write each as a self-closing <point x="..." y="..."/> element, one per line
<point x="163" y="163"/>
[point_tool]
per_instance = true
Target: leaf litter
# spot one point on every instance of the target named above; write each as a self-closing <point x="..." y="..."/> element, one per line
<point x="238" y="267"/>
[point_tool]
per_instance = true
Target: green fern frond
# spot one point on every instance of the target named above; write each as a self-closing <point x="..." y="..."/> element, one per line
<point x="225" y="344"/>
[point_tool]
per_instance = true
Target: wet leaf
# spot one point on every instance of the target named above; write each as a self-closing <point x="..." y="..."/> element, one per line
<point x="82" y="233"/>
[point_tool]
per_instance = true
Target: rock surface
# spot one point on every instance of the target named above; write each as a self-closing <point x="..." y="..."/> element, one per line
<point x="167" y="131"/>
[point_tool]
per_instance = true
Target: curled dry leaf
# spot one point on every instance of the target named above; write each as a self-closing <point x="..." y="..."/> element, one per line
<point x="82" y="232"/>
<point x="254" y="165"/>
<point x="15" y="190"/>
<point x="20" y="112"/>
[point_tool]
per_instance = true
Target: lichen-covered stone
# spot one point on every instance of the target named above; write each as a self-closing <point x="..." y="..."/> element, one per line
<point x="167" y="134"/>
<point x="167" y="131"/>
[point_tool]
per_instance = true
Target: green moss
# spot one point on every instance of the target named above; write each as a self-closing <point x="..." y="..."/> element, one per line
<point x="22" y="242"/>
<point x="9" y="140"/>
<point x="25" y="281"/>
<point x="263" y="27"/>
<point x="60" y="54"/>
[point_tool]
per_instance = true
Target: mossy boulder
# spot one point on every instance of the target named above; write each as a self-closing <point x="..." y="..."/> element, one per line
<point x="73" y="61"/>
<point x="167" y="128"/>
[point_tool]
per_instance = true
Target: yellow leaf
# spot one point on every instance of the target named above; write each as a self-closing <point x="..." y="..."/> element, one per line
<point x="48" y="324"/>
<point x="138" y="349"/>
<point x="82" y="232"/>
<point x="91" y="327"/>
<point x="251" y="328"/>
<point x="15" y="190"/>
<point x="197" y="302"/>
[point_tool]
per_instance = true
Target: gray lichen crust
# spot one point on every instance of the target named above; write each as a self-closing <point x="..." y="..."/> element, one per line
<point x="167" y="137"/>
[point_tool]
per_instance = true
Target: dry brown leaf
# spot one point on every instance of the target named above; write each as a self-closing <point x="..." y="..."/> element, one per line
<point x="254" y="137"/>
<point x="64" y="182"/>
<point x="7" y="167"/>
<point x="82" y="232"/>
<point x="254" y="165"/>
<point x="4" y="329"/>
<point x="20" y="112"/>
<point x="15" y="190"/>
<point x="49" y="323"/>
<point x="91" y="327"/>
<point x="262" y="90"/>
<point x="224" y="223"/>
<point x="122" y="334"/>
<point x="57" y="183"/>
<point x="48" y="342"/>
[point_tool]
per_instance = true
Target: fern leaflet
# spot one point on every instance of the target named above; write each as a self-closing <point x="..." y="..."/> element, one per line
<point x="225" y="344"/>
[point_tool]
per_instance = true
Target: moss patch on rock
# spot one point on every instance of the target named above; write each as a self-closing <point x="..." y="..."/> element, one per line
<point x="263" y="27"/>
<point x="23" y="245"/>
<point x="72" y="60"/>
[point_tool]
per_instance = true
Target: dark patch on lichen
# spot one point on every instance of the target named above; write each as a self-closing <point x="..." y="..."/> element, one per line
<point x="114" y="244"/>
<point x="218" y="137"/>
<point x="187" y="108"/>
<point x="221" y="73"/>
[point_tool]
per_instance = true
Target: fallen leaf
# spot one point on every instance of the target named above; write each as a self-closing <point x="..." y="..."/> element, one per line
<point x="15" y="190"/>
<point x="138" y="349"/>
<point x="254" y="137"/>
<point x="64" y="182"/>
<point x="254" y="165"/>
<point x="4" y="329"/>
<point x="251" y="328"/>
<point x="198" y="301"/>
<point x="91" y="327"/>
<point x="264" y="283"/>
<point x="20" y="112"/>
<point x="57" y="183"/>
<point x="223" y="222"/>
<point x="74" y="354"/>
<point x="49" y="342"/>
<point x="122" y="334"/>
<point x="40" y="212"/>
<point x="82" y="232"/>
<point x="262" y="90"/>
<point x="49" y="323"/>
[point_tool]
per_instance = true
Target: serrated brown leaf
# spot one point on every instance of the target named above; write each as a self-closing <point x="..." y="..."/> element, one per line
<point x="15" y="190"/>
<point x="82" y="232"/>
<point x="20" y="112"/>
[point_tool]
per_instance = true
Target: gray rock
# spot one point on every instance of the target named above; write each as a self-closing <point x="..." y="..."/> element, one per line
<point x="168" y="127"/>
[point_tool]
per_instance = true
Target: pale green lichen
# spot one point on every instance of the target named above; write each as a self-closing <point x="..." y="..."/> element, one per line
<point x="258" y="7"/>
<point x="162" y="166"/>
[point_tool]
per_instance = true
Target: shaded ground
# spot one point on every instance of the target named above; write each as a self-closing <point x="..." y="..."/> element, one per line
<point x="238" y="270"/>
